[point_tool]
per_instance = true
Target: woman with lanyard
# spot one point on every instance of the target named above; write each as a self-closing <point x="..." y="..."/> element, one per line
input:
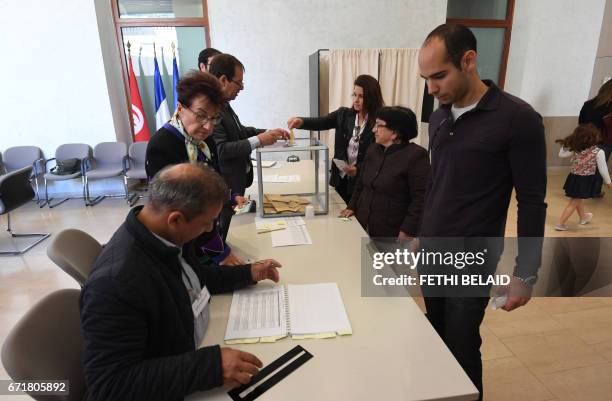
<point x="183" y="139"/>
<point x="353" y="132"/>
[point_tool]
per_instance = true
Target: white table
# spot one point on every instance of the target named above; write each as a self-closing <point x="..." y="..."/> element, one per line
<point x="393" y="354"/>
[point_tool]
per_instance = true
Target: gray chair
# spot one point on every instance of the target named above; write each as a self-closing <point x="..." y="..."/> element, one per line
<point x="75" y="252"/>
<point x="21" y="156"/>
<point x="79" y="151"/>
<point x="46" y="344"/>
<point x="109" y="160"/>
<point x="15" y="191"/>
<point x="136" y="168"/>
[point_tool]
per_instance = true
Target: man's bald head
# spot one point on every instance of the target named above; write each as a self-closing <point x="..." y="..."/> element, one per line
<point x="188" y="188"/>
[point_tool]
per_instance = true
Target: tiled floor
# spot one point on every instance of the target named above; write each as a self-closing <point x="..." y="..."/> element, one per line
<point x="552" y="349"/>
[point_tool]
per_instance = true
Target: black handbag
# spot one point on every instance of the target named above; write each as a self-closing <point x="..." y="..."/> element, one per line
<point x="67" y="166"/>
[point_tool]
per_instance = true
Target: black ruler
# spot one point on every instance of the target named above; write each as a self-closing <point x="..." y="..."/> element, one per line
<point x="268" y="382"/>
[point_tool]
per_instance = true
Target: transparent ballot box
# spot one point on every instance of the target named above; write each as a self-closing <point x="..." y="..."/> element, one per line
<point x="291" y="178"/>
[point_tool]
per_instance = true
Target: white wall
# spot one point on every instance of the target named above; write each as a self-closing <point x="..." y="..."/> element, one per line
<point x="274" y="38"/>
<point x="53" y="84"/>
<point x="552" y="53"/>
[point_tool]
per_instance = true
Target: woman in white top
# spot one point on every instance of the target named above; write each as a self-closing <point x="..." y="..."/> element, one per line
<point x="353" y="132"/>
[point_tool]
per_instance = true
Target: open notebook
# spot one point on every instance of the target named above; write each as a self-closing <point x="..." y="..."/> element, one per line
<point x="266" y="314"/>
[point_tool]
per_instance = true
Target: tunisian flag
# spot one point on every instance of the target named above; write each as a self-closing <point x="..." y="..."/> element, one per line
<point x="141" y="129"/>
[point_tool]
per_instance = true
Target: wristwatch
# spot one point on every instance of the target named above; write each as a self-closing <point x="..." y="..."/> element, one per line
<point x="531" y="280"/>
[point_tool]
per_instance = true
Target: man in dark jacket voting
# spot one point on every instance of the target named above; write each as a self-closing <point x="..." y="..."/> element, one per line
<point x="144" y="308"/>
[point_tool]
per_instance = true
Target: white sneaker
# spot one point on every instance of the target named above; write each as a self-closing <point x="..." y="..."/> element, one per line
<point x="560" y="227"/>
<point x="588" y="217"/>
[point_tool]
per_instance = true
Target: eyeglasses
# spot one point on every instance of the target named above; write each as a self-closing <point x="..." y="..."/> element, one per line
<point x="377" y="125"/>
<point x="240" y="84"/>
<point x="203" y="118"/>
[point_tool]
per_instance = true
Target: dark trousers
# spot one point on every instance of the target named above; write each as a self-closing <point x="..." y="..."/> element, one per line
<point x="457" y="321"/>
<point x="225" y="218"/>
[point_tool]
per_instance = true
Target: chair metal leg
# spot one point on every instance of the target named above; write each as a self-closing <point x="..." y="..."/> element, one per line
<point x="133" y="199"/>
<point x="41" y="237"/>
<point x="46" y="202"/>
<point x="88" y="200"/>
<point x="86" y="190"/>
<point x="125" y="187"/>
<point x="37" y="189"/>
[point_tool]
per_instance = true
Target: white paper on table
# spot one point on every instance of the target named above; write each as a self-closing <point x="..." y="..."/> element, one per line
<point x="276" y="178"/>
<point x="257" y="312"/>
<point x="265" y="164"/>
<point x="293" y="235"/>
<point x="262" y="224"/>
<point x="342" y="165"/>
<point x="317" y="308"/>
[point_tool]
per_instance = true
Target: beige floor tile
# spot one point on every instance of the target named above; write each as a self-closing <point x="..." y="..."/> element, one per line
<point x="553" y="352"/>
<point x="492" y="347"/>
<point x="506" y="379"/>
<point x="592" y="383"/>
<point x="556" y="305"/>
<point x="523" y="327"/>
<point x="528" y="311"/>
<point x="592" y="326"/>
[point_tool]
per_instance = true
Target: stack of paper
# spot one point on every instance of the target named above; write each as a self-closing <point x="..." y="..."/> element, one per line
<point x="263" y="225"/>
<point x="278" y="204"/>
<point x="294" y="235"/>
<point x="266" y="314"/>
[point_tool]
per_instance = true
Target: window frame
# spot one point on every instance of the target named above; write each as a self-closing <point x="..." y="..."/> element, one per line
<point x="494" y="23"/>
<point x="120" y="23"/>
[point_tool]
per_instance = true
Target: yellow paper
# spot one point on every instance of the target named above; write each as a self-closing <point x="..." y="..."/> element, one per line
<point x="314" y="336"/>
<point x="242" y="341"/>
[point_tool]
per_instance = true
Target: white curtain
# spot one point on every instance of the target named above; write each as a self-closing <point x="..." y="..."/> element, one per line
<point x="401" y="83"/>
<point x="344" y="66"/>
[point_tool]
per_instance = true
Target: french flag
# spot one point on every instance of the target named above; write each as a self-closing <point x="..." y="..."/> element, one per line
<point x="162" y="114"/>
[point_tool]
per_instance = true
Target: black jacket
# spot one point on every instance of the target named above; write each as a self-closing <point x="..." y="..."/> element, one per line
<point x="165" y="148"/>
<point x="390" y="190"/>
<point x="476" y="162"/>
<point x="343" y="121"/>
<point x="234" y="150"/>
<point x="137" y="321"/>
<point x="589" y="114"/>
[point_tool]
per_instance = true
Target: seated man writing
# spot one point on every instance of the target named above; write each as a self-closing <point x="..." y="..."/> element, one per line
<point x="144" y="308"/>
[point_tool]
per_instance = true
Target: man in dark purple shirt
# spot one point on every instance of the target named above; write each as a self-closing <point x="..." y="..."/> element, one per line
<point x="483" y="144"/>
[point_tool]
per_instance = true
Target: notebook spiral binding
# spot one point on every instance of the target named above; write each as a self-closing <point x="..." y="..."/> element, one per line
<point x="287" y="313"/>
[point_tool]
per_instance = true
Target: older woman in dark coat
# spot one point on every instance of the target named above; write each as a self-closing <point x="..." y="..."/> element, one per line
<point x="390" y="191"/>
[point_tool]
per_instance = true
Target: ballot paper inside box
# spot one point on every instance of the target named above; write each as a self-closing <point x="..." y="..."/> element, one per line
<point x="293" y="186"/>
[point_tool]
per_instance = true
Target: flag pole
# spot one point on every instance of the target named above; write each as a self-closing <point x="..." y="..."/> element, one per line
<point x="172" y="45"/>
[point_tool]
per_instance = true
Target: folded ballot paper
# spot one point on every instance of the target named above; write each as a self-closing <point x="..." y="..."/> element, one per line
<point x="267" y="314"/>
<point x="264" y="225"/>
<point x="279" y="204"/>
